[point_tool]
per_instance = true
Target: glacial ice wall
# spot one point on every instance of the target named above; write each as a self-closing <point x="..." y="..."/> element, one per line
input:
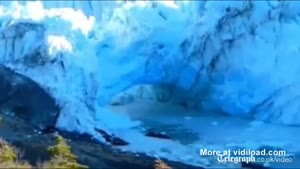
<point x="44" y="45"/>
<point x="238" y="57"/>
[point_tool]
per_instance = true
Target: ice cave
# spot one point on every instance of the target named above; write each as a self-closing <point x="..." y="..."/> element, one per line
<point x="158" y="79"/>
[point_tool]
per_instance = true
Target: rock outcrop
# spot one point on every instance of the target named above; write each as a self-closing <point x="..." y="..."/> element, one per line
<point x="26" y="99"/>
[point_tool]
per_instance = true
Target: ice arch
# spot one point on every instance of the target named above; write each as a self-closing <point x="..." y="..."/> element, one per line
<point x="235" y="57"/>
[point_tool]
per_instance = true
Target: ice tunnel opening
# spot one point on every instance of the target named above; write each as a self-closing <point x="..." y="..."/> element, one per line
<point x="160" y="108"/>
<point x="168" y="108"/>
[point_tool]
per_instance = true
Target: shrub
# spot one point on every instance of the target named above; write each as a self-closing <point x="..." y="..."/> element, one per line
<point x="10" y="157"/>
<point x="161" y="165"/>
<point x="62" y="157"/>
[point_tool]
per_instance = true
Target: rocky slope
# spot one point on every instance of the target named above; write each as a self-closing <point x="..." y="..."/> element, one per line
<point x="24" y="97"/>
<point x="92" y="153"/>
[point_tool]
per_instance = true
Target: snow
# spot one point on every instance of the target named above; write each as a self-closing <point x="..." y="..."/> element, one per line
<point x="237" y="57"/>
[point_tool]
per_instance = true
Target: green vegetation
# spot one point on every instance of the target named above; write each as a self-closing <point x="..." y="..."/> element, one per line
<point x="62" y="156"/>
<point x="161" y="165"/>
<point x="9" y="157"/>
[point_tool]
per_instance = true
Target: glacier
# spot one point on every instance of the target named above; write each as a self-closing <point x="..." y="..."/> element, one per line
<point x="238" y="58"/>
